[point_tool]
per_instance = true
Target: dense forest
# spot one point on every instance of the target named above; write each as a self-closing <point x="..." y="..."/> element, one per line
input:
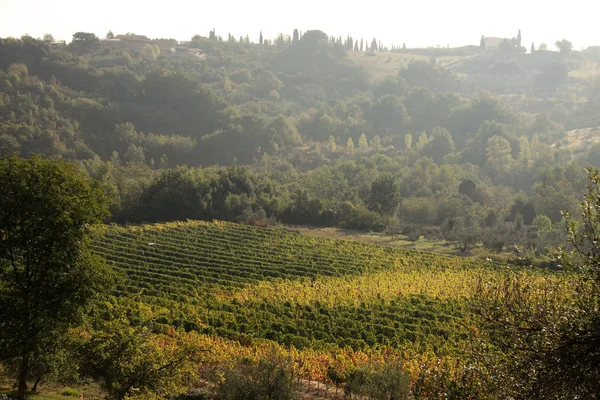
<point x="131" y="168"/>
<point x="480" y="138"/>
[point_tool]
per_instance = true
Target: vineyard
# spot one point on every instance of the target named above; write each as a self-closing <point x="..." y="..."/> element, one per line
<point x="248" y="286"/>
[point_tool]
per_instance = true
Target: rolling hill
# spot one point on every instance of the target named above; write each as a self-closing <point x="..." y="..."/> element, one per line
<point x="247" y="286"/>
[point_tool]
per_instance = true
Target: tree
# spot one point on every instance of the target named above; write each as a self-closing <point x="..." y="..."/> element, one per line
<point x="384" y="196"/>
<point x="542" y="223"/>
<point x="261" y="39"/>
<point x="545" y="331"/>
<point x="296" y="36"/>
<point x="532" y="47"/>
<point x="110" y="35"/>
<point x="519" y="39"/>
<point x="47" y="274"/>
<point x="331" y="144"/>
<point x="464" y="228"/>
<point x="48" y="37"/>
<point x="564" y="46"/>
<point x="119" y="350"/>
<point x="499" y="156"/>
<point x="362" y="141"/>
<point x="543" y="47"/>
<point x="389" y="113"/>
<point x="440" y="145"/>
<point x="374" y="45"/>
<point x="84" y="42"/>
<point x="376" y="142"/>
<point x="482" y="43"/>
<point x="362" y="46"/>
<point x="350" y="145"/>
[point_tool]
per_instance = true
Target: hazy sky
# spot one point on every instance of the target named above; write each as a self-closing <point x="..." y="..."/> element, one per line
<point x="418" y="23"/>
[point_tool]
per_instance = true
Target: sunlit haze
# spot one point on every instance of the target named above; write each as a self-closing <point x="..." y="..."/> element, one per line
<point x="418" y="23"/>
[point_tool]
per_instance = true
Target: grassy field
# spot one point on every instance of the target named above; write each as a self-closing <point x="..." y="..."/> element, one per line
<point x="51" y="391"/>
<point x="380" y="65"/>
<point x="579" y="140"/>
<point x="383" y="239"/>
<point x="587" y="70"/>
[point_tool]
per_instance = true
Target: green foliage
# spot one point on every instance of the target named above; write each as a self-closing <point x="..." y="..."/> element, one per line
<point x="69" y="392"/>
<point x="564" y="46"/>
<point x="384" y="196"/>
<point x="380" y="382"/>
<point x="545" y="336"/>
<point x="47" y="209"/>
<point x="118" y="351"/>
<point x="428" y="74"/>
<point x="268" y="379"/>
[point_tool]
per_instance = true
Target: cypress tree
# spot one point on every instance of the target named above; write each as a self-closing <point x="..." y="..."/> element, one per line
<point x="519" y="39"/>
<point x="482" y="43"/>
<point x="362" y="47"/>
<point x="532" y="47"/>
<point x="260" y="38"/>
<point x="374" y="45"/>
<point x="296" y="36"/>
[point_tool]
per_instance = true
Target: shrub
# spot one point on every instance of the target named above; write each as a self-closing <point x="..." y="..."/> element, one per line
<point x="69" y="392"/>
<point x="271" y="378"/>
<point x="380" y="382"/>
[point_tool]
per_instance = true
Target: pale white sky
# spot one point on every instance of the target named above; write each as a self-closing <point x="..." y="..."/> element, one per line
<point x="418" y="23"/>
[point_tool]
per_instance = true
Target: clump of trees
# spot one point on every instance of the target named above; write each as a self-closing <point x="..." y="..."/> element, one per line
<point x="51" y="286"/>
<point x="544" y="331"/>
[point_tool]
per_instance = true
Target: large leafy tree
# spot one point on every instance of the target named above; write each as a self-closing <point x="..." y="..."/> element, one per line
<point x="384" y="196"/>
<point x="47" y="274"/>
<point x="564" y="46"/>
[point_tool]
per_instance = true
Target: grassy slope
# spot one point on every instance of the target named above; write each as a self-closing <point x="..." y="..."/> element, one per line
<point x="380" y="65"/>
<point x="380" y="239"/>
<point x="579" y="140"/>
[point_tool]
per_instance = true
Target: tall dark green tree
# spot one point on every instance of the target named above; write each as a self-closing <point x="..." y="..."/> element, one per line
<point x="519" y="39"/>
<point x="532" y="48"/>
<point x="47" y="274"/>
<point x="362" y="45"/>
<point x="384" y="196"/>
<point x="374" y="45"/>
<point x="260" y="38"/>
<point x="296" y="36"/>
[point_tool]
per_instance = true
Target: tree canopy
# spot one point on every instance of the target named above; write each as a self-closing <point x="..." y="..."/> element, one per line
<point x="47" y="209"/>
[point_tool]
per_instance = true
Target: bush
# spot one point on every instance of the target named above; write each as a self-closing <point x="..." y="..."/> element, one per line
<point x="70" y="392"/>
<point x="259" y="380"/>
<point x="380" y="382"/>
<point x="197" y="394"/>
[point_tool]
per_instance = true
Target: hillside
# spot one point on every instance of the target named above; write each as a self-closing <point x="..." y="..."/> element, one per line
<point x="248" y="284"/>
